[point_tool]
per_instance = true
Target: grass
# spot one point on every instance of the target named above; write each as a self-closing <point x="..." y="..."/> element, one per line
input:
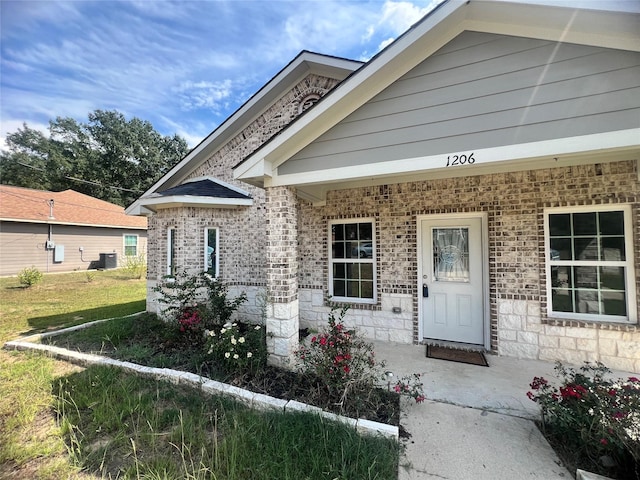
<point x="143" y="428"/>
<point x="61" y="421"/>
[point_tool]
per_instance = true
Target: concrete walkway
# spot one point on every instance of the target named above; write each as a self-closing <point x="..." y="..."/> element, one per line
<point x="477" y="422"/>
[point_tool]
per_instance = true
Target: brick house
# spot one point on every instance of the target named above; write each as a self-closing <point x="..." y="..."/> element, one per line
<point x="475" y="183"/>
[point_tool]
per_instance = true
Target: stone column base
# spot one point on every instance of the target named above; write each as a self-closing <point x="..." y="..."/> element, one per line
<point x="282" y="333"/>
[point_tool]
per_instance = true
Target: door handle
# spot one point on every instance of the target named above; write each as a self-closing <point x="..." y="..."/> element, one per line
<point x="425" y="290"/>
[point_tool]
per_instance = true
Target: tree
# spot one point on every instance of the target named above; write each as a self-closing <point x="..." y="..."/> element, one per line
<point x="108" y="158"/>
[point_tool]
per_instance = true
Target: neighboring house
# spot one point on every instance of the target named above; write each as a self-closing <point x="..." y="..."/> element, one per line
<point x="64" y="231"/>
<point x="476" y="183"/>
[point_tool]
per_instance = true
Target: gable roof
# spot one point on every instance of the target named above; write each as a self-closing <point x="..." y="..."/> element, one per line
<point x="69" y="208"/>
<point x="304" y="64"/>
<point x="600" y="28"/>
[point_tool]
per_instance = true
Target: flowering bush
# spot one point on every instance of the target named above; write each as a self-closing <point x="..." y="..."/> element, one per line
<point x="410" y="386"/>
<point x="237" y="350"/>
<point x="191" y="325"/>
<point x="596" y="417"/>
<point x="344" y="363"/>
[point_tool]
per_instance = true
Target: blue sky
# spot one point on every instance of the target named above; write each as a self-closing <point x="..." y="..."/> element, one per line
<point x="184" y="66"/>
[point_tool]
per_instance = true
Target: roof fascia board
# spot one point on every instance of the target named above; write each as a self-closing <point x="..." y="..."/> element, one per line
<point x="306" y="62"/>
<point x="620" y="141"/>
<point x="195" y="201"/>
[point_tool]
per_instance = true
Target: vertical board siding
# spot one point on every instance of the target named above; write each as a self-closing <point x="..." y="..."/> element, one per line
<point x="483" y="91"/>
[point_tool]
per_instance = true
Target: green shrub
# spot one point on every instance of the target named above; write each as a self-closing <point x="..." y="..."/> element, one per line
<point x="238" y="348"/>
<point x="346" y="364"/>
<point x="29" y="276"/>
<point x="593" y="416"/>
<point x="135" y="266"/>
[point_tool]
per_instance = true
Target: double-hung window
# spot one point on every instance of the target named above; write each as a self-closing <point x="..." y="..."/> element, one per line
<point x="352" y="269"/>
<point x="211" y="263"/>
<point x="589" y="266"/>
<point x="131" y="245"/>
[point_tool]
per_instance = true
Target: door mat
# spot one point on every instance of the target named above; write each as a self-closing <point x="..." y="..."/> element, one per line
<point x="455" y="355"/>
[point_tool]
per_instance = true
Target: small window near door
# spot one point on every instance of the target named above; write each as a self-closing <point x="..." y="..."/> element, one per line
<point x="352" y="261"/>
<point x="589" y="264"/>
<point x="131" y="245"/>
<point x="211" y="263"/>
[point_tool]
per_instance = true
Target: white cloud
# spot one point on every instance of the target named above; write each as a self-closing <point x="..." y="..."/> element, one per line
<point x="12" y="126"/>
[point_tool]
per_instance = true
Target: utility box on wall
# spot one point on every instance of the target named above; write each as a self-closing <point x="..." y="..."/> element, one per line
<point x="58" y="254"/>
<point x="108" y="260"/>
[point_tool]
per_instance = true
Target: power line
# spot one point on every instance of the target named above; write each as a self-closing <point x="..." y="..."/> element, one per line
<point x="82" y="180"/>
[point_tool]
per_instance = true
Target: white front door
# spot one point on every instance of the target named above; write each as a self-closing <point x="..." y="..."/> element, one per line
<point x="452" y="276"/>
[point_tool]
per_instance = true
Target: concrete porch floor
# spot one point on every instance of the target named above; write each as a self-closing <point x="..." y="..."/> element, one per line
<point x="477" y="422"/>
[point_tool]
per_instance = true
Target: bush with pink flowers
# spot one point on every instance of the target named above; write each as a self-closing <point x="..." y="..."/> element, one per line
<point x="593" y="418"/>
<point x="345" y="364"/>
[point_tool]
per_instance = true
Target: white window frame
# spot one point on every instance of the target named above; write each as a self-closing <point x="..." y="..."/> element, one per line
<point x="124" y="244"/>
<point x="628" y="264"/>
<point x="171" y="253"/>
<point x="371" y="260"/>
<point x="206" y="248"/>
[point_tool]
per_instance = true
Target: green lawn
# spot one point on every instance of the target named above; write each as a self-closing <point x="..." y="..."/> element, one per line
<point x="61" y="421"/>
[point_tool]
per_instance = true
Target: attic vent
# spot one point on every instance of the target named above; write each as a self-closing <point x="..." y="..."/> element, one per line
<point x="308" y="102"/>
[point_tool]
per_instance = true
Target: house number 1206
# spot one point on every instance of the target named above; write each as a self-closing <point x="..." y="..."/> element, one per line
<point x="461" y="159"/>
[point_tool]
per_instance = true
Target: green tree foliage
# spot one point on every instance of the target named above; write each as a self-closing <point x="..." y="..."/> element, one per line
<point x="108" y="157"/>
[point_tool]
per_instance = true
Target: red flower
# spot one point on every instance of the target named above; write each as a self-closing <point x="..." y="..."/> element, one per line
<point x="323" y="341"/>
<point x="313" y="339"/>
<point x="420" y="399"/>
<point x="634" y="379"/>
<point x="604" y="441"/>
<point x="538" y="382"/>
<point x="346" y="369"/>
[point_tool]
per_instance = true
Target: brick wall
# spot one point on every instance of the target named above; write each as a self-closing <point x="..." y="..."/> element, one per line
<point x="514" y="204"/>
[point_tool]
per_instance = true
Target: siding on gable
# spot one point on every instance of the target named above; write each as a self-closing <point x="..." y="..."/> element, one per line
<point x="482" y="91"/>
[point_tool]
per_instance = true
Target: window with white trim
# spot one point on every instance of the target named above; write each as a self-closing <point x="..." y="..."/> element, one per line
<point x="130" y="245"/>
<point x="171" y="252"/>
<point x="211" y="258"/>
<point x="590" y="269"/>
<point x="352" y="269"/>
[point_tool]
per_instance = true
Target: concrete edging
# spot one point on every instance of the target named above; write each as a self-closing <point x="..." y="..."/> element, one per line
<point x="254" y="400"/>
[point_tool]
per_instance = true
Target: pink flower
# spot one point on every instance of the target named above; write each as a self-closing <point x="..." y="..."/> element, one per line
<point x="604" y="441"/>
<point x="420" y="399"/>
<point x="313" y="339"/>
<point x="634" y="379"/>
<point x="346" y="369"/>
<point x="397" y="388"/>
<point x="323" y="341"/>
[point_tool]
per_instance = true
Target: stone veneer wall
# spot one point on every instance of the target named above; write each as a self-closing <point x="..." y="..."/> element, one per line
<point x="242" y="230"/>
<point x="514" y="203"/>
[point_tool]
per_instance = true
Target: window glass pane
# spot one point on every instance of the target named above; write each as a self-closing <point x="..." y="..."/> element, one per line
<point x="560" y="224"/>
<point x="586" y="248"/>
<point x="351" y="249"/>
<point x="614" y="303"/>
<point x="339" y="289"/>
<point x="338" y="250"/>
<point x="584" y="224"/>
<point x="586" y="301"/>
<point x="612" y="278"/>
<point x="561" y="277"/>
<point x="362" y="250"/>
<point x="611" y="223"/>
<point x="367" y="289"/>
<point x="560" y="249"/>
<point x="366" y="271"/>
<point x="585" y="277"/>
<point x="337" y="232"/>
<point x="211" y="251"/>
<point x="451" y="254"/>
<point x="351" y="231"/>
<point x="353" y="288"/>
<point x="561" y="300"/>
<point x="338" y="270"/>
<point x="365" y="231"/>
<point x="612" y="249"/>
